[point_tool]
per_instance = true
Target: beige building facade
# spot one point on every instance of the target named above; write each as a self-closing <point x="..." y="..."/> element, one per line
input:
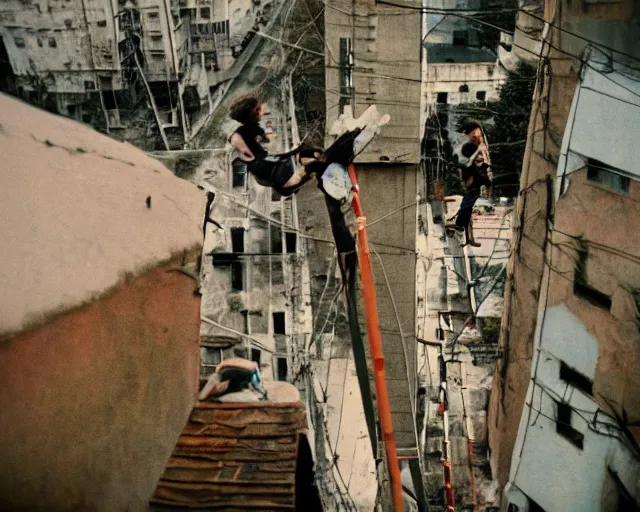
<point x="564" y="412"/>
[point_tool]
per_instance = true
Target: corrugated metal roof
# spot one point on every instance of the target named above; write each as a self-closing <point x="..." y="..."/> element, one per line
<point x="235" y="456"/>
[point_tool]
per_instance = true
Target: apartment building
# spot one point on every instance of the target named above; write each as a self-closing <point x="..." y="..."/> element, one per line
<point x="564" y="411"/>
<point x="150" y="72"/>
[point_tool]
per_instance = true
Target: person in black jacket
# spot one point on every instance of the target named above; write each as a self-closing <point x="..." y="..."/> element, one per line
<point x="276" y="171"/>
<point x="474" y="174"/>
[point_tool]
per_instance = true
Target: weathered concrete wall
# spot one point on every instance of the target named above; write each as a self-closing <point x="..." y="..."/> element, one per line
<point x="386" y="45"/>
<point x="477" y="76"/>
<point x="580" y="214"/>
<point x="93" y="401"/>
<point x="62" y="38"/>
<point x="383" y="190"/>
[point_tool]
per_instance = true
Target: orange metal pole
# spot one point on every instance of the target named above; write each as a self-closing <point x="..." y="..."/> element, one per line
<point x="375" y="344"/>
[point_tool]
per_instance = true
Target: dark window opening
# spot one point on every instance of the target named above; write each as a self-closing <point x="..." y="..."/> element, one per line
<point x="89" y="85"/>
<point x="153" y="15"/>
<point x="291" y="242"/>
<point x="442" y="98"/>
<point x="607" y="176"/>
<point x="592" y="295"/>
<point x="346" y="65"/>
<point x="102" y="23"/>
<point x="460" y="38"/>
<point x="276" y="240"/>
<point x="481" y="95"/>
<point x="464" y="88"/>
<point x="109" y="100"/>
<point x="282" y="368"/>
<point x="255" y="356"/>
<point x="205" y="13"/>
<point x="19" y="42"/>
<point x="222" y="259"/>
<point x="239" y="173"/>
<point x="39" y="41"/>
<point x="245" y="321"/>
<point x="237" y="240"/>
<point x="278" y="323"/>
<point x="52" y="42"/>
<point x="576" y="379"/>
<point x="237" y="276"/>
<point x="564" y="428"/>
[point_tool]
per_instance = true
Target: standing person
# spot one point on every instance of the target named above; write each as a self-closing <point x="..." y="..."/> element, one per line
<point x="474" y="132"/>
<point x="474" y="176"/>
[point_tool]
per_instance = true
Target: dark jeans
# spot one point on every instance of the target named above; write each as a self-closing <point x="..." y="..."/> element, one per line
<point x="466" y="208"/>
<point x="341" y="232"/>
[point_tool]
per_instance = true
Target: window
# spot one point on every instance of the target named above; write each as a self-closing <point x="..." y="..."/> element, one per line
<point x="346" y="68"/>
<point x="464" y="88"/>
<point x="255" y="356"/>
<point x="19" y="41"/>
<point x="607" y="176"/>
<point x="581" y="287"/>
<point x="237" y="276"/>
<point x="291" y="242"/>
<point x="245" y="319"/>
<point x="564" y="428"/>
<point x="239" y="173"/>
<point x="52" y="42"/>
<point x="102" y="23"/>
<point x="595" y="297"/>
<point x="39" y="41"/>
<point x="276" y="239"/>
<point x="237" y="240"/>
<point x="481" y="95"/>
<point x="278" y="323"/>
<point x="442" y="98"/>
<point x="282" y="368"/>
<point x="152" y="16"/>
<point x="109" y="100"/>
<point x="576" y="379"/>
<point x="460" y="38"/>
<point x="89" y="85"/>
<point x="205" y="13"/>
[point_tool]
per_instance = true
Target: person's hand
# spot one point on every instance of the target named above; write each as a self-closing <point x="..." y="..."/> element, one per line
<point x="241" y="147"/>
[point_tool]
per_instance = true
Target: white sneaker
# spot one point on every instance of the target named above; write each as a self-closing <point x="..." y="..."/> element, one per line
<point x="346" y="122"/>
<point x="368" y="133"/>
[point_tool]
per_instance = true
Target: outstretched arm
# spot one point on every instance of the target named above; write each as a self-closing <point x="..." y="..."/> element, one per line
<point x="241" y="147"/>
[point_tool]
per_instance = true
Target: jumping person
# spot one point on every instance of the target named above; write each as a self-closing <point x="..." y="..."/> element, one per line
<point x="473" y="172"/>
<point x="276" y="171"/>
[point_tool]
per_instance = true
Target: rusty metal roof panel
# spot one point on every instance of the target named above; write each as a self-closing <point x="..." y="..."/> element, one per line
<point x="234" y="456"/>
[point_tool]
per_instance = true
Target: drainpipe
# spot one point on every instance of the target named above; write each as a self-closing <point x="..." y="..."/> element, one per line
<point x="375" y="344"/>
